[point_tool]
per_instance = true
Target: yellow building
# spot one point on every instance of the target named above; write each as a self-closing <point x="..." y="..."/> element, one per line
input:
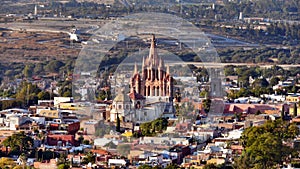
<point x="293" y="99"/>
<point x="216" y="161"/>
<point x="292" y="110"/>
<point x="49" y="113"/>
<point x="69" y="106"/>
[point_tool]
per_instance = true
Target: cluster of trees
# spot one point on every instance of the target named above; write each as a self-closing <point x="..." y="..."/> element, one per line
<point x="103" y="94"/>
<point x="19" y="70"/>
<point x="261" y="55"/>
<point x="65" y="89"/>
<point x="265" y="78"/>
<point x="286" y="31"/>
<point x="267" y="146"/>
<point x="151" y="128"/>
<point x="6" y="104"/>
<point x="19" y="143"/>
<point x="26" y="94"/>
<point x="206" y="103"/>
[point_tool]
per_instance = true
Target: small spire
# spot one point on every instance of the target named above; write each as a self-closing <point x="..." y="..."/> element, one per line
<point x="143" y="64"/>
<point x="161" y="63"/>
<point x="168" y="69"/>
<point x="135" y="68"/>
<point x="153" y="57"/>
<point x="153" y="39"/>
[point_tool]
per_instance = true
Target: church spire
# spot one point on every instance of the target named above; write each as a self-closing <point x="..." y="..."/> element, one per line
<point x="168" y="69"/>
<point x="135" y="69"/>
<point x="143" y="63"/>
<point x="153" y="58"/>
<point x="161" y="63"/>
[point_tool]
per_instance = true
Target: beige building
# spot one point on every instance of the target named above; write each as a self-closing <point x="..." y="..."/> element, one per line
<point x="49" y="113"/>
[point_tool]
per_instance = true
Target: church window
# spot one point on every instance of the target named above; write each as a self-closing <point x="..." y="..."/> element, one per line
<point x="120" y="107"/>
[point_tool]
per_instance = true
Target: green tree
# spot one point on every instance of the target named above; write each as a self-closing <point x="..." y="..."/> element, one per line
<point x="54" y="66"/>
<point x="260" y="83"/>
<point x="274" y="81"/>
<point x="18" y="142"/>
<point x="157" y="125"/>
<point x="38" y="69"/>
<point x="27" y="93"/>
<point x="67" y="93"/>
<point x="259" y="143"/>
<point x="28" y="69"/>
<point x="206" y="103"/>
<point x="89" y="158"/>
<point x="80" y="139"/>
<point x="86" y="142"/>
<point x="43" y="95"/>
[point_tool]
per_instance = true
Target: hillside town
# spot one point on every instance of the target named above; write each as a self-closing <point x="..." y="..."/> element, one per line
<point x="209" y="84"/>
<point x="150" y="122"/>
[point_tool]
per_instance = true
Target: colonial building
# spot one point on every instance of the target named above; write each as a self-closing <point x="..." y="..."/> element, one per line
<point x="155" y="79"/>
<point x="150" y="94"/>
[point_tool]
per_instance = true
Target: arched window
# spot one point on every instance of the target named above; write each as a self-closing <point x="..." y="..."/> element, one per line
<point x="120" y="107"/>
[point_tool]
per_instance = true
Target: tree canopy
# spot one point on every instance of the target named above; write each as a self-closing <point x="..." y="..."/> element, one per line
<point x="264" y="145"/>
<point x="18" y="142"/>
